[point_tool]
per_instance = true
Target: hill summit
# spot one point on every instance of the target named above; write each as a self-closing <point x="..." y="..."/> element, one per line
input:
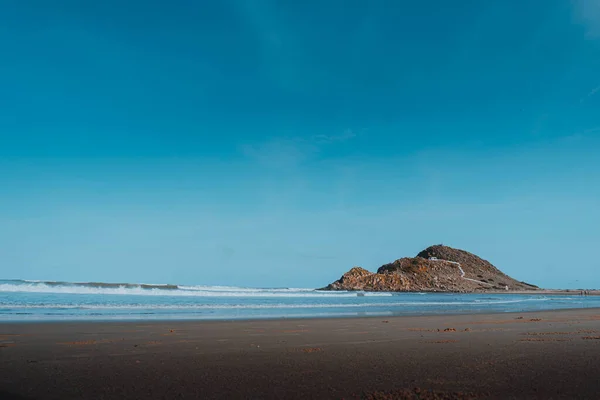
<point x="438" y="268"/>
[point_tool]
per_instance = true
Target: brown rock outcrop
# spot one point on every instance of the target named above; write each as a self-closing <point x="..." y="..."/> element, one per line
<point x="438" y="268"/>
<point x="361" y="279"/>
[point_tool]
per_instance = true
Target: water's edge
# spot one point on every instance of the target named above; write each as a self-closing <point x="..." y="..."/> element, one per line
<point x="65" y="301"/>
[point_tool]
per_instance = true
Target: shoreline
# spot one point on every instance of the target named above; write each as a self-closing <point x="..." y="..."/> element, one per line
<point x="282" y="319"/>
<point x="558" y="292"/>
<point x="589" y="292"/>
<point x="537" y="354"/>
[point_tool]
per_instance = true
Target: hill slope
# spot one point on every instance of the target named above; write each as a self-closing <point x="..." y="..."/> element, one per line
<point x="437" y="268"/>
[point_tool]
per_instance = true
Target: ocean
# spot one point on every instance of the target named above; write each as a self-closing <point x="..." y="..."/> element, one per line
<point x="22" y="300"/>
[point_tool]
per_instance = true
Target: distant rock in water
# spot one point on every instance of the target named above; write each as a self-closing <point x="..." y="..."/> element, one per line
<point x="437" y="268"/>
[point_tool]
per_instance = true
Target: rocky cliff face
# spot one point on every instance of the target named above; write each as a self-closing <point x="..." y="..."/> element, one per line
<point x="361" y="279"/>
<point x="437" y="268"/>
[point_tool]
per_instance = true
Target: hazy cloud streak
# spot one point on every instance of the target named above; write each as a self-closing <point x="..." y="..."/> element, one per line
<point x="588" y="13"/>
<point x="291" y="152"/>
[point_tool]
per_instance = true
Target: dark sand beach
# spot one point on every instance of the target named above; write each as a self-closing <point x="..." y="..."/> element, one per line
<point x="551" y="354"/>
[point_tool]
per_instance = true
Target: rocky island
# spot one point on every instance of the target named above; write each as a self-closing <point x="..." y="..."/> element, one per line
<point x="438" y="268"/>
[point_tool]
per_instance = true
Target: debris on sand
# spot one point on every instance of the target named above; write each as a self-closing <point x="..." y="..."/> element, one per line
<point x="420" y="394"/>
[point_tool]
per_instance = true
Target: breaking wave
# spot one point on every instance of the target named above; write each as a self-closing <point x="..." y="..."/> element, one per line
<point x="165" y="289"/>
<point x="22" y="300"/>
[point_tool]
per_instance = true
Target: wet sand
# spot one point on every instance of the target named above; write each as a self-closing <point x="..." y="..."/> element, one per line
<point x="550" y="354"/>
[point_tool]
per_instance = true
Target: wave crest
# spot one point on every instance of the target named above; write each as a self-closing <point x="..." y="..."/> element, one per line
<point x="144" y="289"/>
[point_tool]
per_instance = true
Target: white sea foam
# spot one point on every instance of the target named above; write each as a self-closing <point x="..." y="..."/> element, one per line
<point x="26" y="300"/>
<point x="255" y="306"/>
<point x="200" y="291"/>
<point x="243" y="289"/>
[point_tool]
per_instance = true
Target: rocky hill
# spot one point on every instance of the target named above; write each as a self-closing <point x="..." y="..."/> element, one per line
<point x="436" y="269"/>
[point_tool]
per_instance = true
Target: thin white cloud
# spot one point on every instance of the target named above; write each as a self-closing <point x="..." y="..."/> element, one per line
<point x="592" y="130"/>
<point x="279" y="152"/>
<point x="590" y="94"/>
<point x="594" y="91"/>
<point x="291" y="152"/>
<point x="326" y="139"/>
<point x="579" y="136"/>
<point x="587" y="12"/>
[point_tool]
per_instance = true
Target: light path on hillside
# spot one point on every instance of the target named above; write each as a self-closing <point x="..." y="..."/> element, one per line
<point x="462" y="272"/>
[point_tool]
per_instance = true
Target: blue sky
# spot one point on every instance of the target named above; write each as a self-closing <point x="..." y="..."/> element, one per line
<point x="266" y="143"/>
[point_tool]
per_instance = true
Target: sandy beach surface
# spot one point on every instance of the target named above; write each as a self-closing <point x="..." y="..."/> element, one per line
<point x="546" y="355"/>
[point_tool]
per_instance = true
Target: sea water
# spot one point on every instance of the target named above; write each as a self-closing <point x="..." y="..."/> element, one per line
<point x="50" y="301"/>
